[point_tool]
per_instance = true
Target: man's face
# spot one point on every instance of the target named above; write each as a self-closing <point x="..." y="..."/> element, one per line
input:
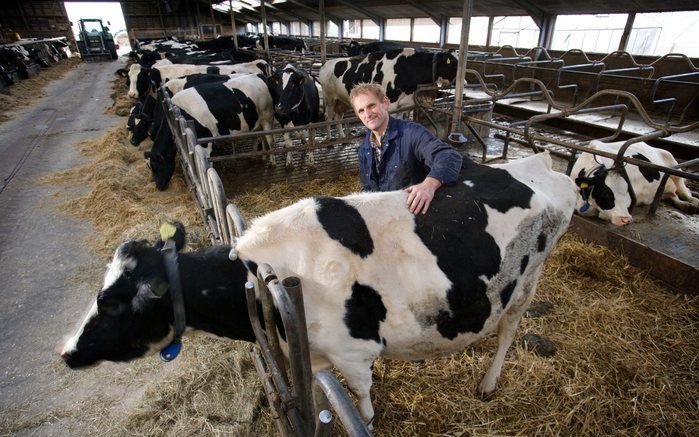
<point x="372" y="111"/>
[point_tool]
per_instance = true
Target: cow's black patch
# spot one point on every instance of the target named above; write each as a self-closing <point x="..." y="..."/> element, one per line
<point x="251" y="266"/>
<point x="378" y="77"/>
<point x="599" y="191"/>
<point x="506" y="293"/>
<point x="523" y="264"/>
<point x="344" y="224"/>
<point x="541" y="242"/>
<point x="340" y="68"/>
<point x="650" y="174"/>
<point x="213" y="70"/>
<point x="363" y="313"/>
<point x="454" y="231"/>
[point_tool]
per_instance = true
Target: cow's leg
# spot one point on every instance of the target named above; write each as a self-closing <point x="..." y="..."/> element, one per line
<point x="329" y="113"/>
<point x="268" y="140"/>
<point x="507" y="328"/>
<point x="287" y="145"/>
<point x="310" y="157"/>
<point x="677" y="192"/>
<point x="358" y="376"/>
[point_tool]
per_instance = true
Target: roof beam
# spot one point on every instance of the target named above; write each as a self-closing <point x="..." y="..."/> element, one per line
<point x="333" y="18"/>
<point x="373" y="17"/>
<point x="420" y="7"/>
<point x="534" y="11"/>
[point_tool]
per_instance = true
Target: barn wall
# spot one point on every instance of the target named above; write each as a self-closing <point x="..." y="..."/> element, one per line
<point x="144" y="20"/>
<point x="36" y="19"/>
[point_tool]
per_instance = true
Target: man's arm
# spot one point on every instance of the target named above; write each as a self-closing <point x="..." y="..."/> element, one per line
<point x="443" y="161"/>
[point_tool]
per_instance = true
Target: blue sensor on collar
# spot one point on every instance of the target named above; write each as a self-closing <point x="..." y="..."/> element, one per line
<point x="585" y="207"/>
<point x="171" y="351"/>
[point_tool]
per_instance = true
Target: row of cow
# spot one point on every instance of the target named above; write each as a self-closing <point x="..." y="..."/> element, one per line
<point x="225" y="99"/>
<point x="17" y="60"/>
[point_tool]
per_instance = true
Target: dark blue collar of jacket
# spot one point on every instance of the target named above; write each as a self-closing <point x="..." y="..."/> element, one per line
<point x="391" y="131"/>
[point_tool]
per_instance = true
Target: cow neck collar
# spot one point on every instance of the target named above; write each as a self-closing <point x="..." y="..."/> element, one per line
<point x="170" y="259"/>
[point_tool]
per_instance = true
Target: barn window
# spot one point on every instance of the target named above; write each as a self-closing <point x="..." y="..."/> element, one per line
<point x="276" y="28"/>
<point x="316" y="28"/>
<point x="295" y="28"/>
<point x="370" y="30"/>
<point x="250" y="28"/>
<point x="352" y="29"/>
<point x="515" y="31"/>
<point x="477" y="32"/>
<point x="332" y="30"/>
<point x="592" y="33"/>
<point x="425" y="30"/>
<point x="398" y="29"/>
<point x="660" y="33"/>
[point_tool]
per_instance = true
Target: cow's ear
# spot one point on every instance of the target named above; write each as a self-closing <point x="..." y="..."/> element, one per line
<point x="122" y="72"/>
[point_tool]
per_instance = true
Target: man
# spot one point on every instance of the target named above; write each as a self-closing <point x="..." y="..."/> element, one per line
<point x="398" y="154"/>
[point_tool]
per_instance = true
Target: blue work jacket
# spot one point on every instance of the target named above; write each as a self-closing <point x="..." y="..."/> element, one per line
<point x="409" y="153"/>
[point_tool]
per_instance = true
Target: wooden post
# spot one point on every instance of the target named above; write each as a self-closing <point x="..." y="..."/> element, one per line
<point x="461" y="65"/>
<point x="322" y="31"/>
<point x="234" y="28"/>
<point x="488" y="39"/>
<point x="443" y="31"/>
<point x="162" y="23"/>
<point x="189" y="15"/>
<point x="263" y="14"/>
<point x="627" y="31"/>
<point x="213" y="22"/>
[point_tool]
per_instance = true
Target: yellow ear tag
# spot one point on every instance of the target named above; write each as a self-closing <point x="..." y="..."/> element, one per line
<point x="167" y="231"/>
<point x="583" y="186"/>
<point x="448" y="61"/>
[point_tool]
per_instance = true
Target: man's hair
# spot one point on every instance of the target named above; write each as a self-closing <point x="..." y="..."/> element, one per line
<point x="366" y="88"/>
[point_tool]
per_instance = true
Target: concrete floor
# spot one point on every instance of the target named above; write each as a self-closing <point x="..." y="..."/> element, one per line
<point x="43" y="255"/>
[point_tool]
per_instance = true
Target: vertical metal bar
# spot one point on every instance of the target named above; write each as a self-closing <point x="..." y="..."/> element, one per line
<point x="412" y="28"/>
<point x="321" y="5"/>
<point x="327" y="389"/>
<point x="263" y="15"/>
<point x="443" y="30"/>
<point x="300" y="358"/>
<point x="196" y="18"/>
<point x="189" y="15"/>
<point x="461" y="65"/>
<point x="263" y="272"/>
<point x="162" y="22"/>
<point x="623" y="42"/>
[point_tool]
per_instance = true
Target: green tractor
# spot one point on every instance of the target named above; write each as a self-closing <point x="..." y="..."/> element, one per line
<point x="97" y="43"/>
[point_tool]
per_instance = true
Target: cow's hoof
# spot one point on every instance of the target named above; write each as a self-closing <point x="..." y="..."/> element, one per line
<point x="485" y="395"/>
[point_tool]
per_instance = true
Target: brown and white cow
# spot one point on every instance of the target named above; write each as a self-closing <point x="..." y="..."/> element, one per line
<point x="377" y="280"/>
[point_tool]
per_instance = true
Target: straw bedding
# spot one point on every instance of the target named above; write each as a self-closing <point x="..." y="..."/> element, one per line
<point x="122" y="102"/>
<point x="626" y="347"/>
<point x="27" y="91"/>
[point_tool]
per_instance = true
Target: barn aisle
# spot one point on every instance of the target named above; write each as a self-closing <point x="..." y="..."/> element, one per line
<point x="43" y="256"/>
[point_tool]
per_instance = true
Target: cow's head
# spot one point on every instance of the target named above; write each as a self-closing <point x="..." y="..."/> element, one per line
<point x="141" y="126"/>
<point x="161" y="160"/>
<point x="352" y="49"/>
<point x="132" y="314"/>
<point x="139" y="81"/>
<point x="288" y="90"/>
<point x="444" y="66"/>
<point x="133" y="114"/>
<point x="603" y="191"/>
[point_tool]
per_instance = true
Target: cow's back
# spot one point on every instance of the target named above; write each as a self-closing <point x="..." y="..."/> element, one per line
<point x="418" y="285"/>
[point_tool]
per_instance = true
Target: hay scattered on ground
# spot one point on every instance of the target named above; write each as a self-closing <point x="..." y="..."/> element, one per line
<point x="122" y="203"/>
<point x="122" y="102"/>
<point x="278" y="196"/>
<point x="25" y="92"/>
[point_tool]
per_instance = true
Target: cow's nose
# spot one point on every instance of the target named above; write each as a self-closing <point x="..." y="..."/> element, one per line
<point x="132" y="94"/>
<point x="65" y="355"/>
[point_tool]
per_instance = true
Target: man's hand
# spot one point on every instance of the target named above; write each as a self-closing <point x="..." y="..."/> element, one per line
<point x="420" y="195"/>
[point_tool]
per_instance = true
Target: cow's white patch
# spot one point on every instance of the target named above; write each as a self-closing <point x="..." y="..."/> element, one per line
<point x="285" y="79"/>
<point x="71" y="344"/>
<point x="116" y="268"/>
<point x="469" y="183"/>
<point x="503" y="227"/>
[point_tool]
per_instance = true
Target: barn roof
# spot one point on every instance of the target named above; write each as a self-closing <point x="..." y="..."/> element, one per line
<point x="295" y="10"/>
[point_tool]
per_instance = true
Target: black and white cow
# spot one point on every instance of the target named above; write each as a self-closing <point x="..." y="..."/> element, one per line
<point x="603" y="191"/>
<point x="141" y="80"/>
<point x="398" y="72"/>
<point x="241" y="104"/>
<point x="377" y="280"/>
<point x="297" y="97"/>
<point x="356" y="49"/>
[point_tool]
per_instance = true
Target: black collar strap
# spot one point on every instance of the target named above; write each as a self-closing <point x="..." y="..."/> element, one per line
<point x="169" y="251"/>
